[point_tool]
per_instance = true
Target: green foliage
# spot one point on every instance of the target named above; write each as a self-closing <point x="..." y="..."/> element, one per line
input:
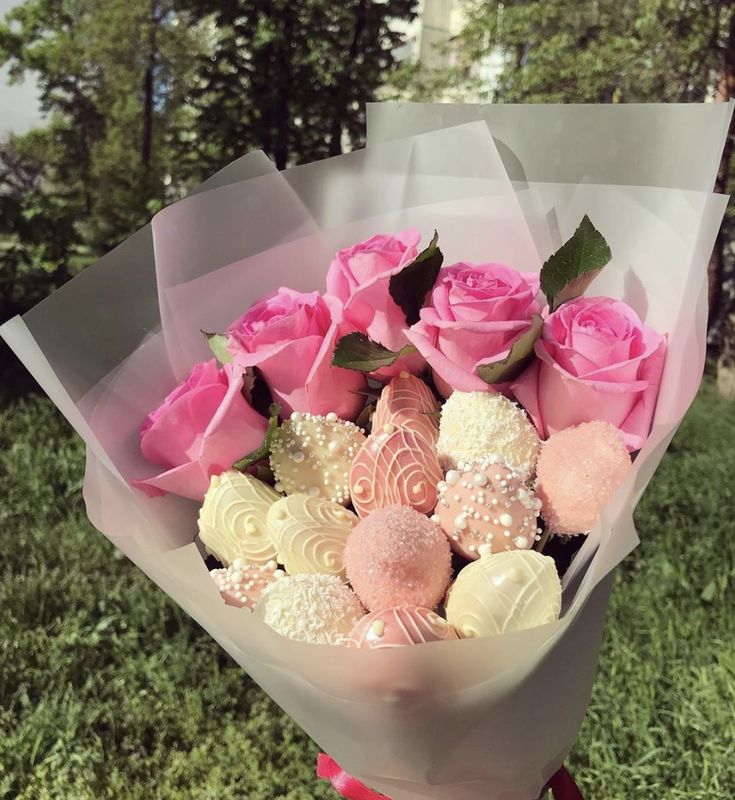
<point x="291" y="78"/>
<point x="564" y="51"/>
<point x="568" y="272"/>
<point x="108" y="690"/>
<point x="518" y="358"/>
<point x="660" y="718"/>
<point x="218" y="345"/>
<point x="412" y="284"/>
<point x="603" y="51"/>
<point x="146" y="99"/>
<point x="357" y="351"/>
<point x="113" y="79"/>
<point x="37" y="233"/>
<point x="262" y="452"/>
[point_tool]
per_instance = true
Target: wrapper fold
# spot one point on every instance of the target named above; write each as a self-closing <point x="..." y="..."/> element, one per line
<point x="482" y="719"/>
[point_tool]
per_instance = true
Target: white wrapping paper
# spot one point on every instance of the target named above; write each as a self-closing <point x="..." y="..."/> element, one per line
<point x="482" y="719"/>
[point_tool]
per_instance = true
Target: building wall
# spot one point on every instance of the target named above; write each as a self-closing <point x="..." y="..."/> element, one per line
<point x="440" y="20"/>
<point x="430" y="44"/>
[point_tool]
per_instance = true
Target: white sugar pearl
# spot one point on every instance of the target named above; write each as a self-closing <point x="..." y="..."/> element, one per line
<point x="452" y="477"/>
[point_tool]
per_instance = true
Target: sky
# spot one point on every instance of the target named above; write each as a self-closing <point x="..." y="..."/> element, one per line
<point x="18" y="103"/>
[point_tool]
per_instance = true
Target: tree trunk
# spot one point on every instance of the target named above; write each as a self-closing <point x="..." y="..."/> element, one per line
<point x="146" y="149"/>
<point x="343" y="87"/>
<point x="283" y="111"/>
<point x="726" y="299"/>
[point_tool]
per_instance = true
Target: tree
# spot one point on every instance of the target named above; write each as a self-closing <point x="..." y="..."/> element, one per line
<point x="291" y="78"/>
<point x="113" y="79"/>
<point x="601" y="51"/>
<point x="37" y="231"/>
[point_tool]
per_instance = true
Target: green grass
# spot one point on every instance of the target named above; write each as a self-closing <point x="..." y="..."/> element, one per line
<point x="108" y="691"/>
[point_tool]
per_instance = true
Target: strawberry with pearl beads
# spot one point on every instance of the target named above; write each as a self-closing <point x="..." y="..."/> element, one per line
<point x="486" y="505"/>
<point x="241" y="584"/>
<point x="312" y="454"/>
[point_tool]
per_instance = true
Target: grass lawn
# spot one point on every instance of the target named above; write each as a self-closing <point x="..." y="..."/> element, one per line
<point x="108" y="691"/>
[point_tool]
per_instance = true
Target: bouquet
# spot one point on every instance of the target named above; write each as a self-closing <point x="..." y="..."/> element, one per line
<point x="379" y="423"/>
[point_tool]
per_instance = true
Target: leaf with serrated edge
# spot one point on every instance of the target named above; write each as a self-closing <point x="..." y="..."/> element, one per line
<point x="264" y="450"/>
<point x="356" y="351"/>
<point x="218" y="345"/>
<point x="409" y="287"/>
<point x="517" y="359"/>
<point x="569" y="271"/>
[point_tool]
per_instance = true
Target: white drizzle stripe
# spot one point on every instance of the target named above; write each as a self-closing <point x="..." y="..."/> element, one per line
<point x="395" y="468"/>
<point x="405" y="394"/>
<point x="414" y="624"/>
<point x="309" y="534"/>
<point x="407" y="402"/>
<point x="232" y="519"/>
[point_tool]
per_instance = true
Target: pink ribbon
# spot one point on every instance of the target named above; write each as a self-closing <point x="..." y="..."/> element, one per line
<point x="349" y="787"/>
<point x="561" y="785"/>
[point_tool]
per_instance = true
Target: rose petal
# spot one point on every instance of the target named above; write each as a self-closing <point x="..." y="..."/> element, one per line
<point x="454" y="376"/>
<point x="189" y="480"/>
<point x="331" y="388"/>
<point x="175" y="436"/>
<point x="359" y="278"/>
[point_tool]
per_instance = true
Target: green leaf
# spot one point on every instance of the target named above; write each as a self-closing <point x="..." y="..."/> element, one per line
<point x="218" y="345"/>
<point x="264" y="450"/>
<point x="410" y="286"/>
<point x="521" y="353"/>
<point x="357" y="351"/>
<point x="569" y="271"/>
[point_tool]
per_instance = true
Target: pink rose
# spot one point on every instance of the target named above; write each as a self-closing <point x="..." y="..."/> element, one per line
<point x="199" y="430"/>
<point x="290" y="337"/>
<point x="596" y="360"/>
<point x="475" y="313"/>
<point x="359" y="277"/>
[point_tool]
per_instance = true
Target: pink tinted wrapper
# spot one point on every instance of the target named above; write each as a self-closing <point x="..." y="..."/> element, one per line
<point x="413" y="722"/>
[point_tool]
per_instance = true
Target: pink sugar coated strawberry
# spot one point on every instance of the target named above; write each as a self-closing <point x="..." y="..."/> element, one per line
<point x="577" y="474"/>
<point x="396" y="556"/>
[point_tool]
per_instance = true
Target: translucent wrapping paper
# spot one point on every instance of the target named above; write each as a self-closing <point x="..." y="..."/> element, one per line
<point x="478" y="719"/>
